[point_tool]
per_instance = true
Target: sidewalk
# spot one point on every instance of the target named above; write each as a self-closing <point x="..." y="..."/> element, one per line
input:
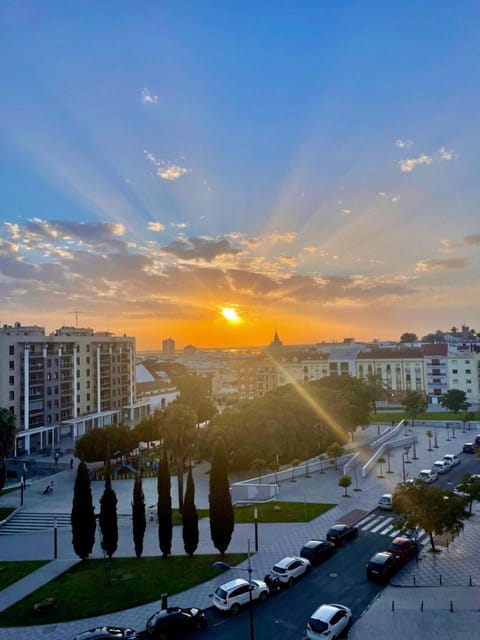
<point x="455" y="565"/>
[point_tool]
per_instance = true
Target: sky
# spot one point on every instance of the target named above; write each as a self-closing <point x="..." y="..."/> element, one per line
<point x="214" y="171"/>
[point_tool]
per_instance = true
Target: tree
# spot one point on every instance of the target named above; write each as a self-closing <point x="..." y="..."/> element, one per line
<point x="455" y="400"/>
<point x="97" y="443"/>
<point x="164" y="506"/>
<point x="190" y="517"/>
<point x="150" y="428"/>
<point x="345" y="482"/>
<point x="468" y="416"/>
<point x="376" y="390"/>
<point x="335" y="451"/>
<point x="139" y="518"/>
<point x="381" y="461"/>
<point x="408" y="337"/>
<point x="108" y="517"/>
<point x="422" y="505"/>
<point x="470" y="485"/>
<point x="179" y="423"/>
<point x="258" y="465"/>
<point x="222" y="519"/>
<point x="414" y="404"/>
<point x="429" y="433"/>
<point x="82" y="517"/>
<point x="8" y="432"/>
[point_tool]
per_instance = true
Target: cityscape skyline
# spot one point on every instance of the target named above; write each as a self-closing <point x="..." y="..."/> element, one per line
<point x="213" y="173"/>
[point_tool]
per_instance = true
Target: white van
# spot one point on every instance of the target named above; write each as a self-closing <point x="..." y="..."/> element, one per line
<point x="428" y="475"/>
<point x="451" y="459"/>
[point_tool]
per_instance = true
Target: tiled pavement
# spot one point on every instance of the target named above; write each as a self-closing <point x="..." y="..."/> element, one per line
<point x="455" y="565"/>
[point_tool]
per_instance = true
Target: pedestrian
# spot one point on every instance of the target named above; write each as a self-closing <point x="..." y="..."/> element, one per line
<point x="71" y="463"/>
<point x="56" y="458"/>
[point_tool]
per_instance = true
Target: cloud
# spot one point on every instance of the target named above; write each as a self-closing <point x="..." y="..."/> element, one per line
<point x="442" y="264"/>
<point x="446" y="154"/>
<point x="345" y="212"/>
<point x="388" y="196"/>
<point x="471" y="241"/>
<point x="172" y="172"/>
<point x="148" y="98"/>
<point x="466" y="241"/>
<point x="155" y="226"/>
<point x="179" y="225"/>
<point x="409" y="164"/>
<point x="403" y="144"/>
<point x="199" y="248"/>
<point x="276" y="237"/>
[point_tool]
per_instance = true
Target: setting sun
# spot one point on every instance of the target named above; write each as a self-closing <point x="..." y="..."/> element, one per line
<point x="230" y="314"/>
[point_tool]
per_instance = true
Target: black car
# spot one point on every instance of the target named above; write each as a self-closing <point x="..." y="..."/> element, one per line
<point x="175" y="621"/>
<point x="383" y="566"/>
<point x="340" y="533"/>
<point x="317" y="550"/>
<point x="108" y="633"/>
<point x="469" y="447"/>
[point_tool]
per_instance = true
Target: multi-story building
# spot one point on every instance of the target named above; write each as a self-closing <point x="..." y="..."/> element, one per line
<point x="65" y="383"/>
<point x="168" y="349"/>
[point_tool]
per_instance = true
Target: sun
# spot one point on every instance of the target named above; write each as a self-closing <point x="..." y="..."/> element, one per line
<point x="230" y="314"/>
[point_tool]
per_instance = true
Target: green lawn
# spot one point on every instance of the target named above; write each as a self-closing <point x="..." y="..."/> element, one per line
<point x="10" y="572"/>
<point x="5" y="512"/>
<point x="281" y="512"/>
<point x="83" y="592"/>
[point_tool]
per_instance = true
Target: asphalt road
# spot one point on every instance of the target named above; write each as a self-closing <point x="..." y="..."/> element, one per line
<point x="339" y="579"/>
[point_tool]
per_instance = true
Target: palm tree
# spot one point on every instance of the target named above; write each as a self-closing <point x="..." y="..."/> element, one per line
<point x="8" y="430"/>
<point x="179" y="429"/>
<point x="429" y="433"/>
<point x="381" y="462"/>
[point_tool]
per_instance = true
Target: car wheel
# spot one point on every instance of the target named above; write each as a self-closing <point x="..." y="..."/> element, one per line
<point x="290" y="582"/>
<point x="263" y="596"/>
<point x="235" y="609"/>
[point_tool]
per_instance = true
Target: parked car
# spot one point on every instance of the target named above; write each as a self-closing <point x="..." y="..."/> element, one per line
<point x="440" y="466"/>
<point x="460" y="489"/>
<point x="339" y="534"/>
<point x="234" y="594"/>
<point x="175" y="621"/>
<point x="385" y="501"/>
<point x="452" y="459"/>
<point x="428" y="475"/>
<point x="328" y="621"/>
<point x="108" y="633"/>
<point x="382" y="566"/>
<point x="289" y="569"/>
<point x="477" y="441"/>
<point x="403" y="547"/>
<point x="469" y="447"/>
<point x="317" y="550"/>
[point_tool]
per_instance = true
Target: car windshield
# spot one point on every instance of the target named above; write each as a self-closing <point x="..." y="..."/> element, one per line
<point x="319" y="626"/>
<point x="397" y="547"/>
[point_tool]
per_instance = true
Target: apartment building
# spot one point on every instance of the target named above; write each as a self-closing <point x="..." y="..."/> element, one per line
<point x="65" y="383"/>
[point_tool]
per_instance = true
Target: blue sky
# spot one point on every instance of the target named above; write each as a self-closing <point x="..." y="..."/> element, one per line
<point x="312" y="165"/>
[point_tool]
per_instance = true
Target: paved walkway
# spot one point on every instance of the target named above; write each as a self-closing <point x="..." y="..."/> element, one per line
<point x="455" y="565"/>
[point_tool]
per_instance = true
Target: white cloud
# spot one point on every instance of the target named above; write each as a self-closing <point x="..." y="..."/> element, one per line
<point x="148" y="98"/>
<point x="403" y="144"/>
<point x="172" y="172"/>
<point x="179" y="225"/>
<point x="345" y="212"/>
<point x="446" y="154"/>
<point x="388" y="196"/>
<point x="409" y="164"/>
<point x="155" y="226"/>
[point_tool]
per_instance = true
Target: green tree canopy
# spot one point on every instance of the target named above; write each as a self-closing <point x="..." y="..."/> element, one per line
<point x="455" y="400"/>
<point x="222" y="519"/>
<point x="139" y="518"/>
<point x="97" y="444"/>
<point x="408" y="337"/>
<point x="8" y="430"/>
<point x="414" y="404"/>
<point x="190" y="517"/>
<point x="180" y="438"/>
<point x="83" y="514"/>
<point x="108" y="517"/>
<point x="164" y="506"/>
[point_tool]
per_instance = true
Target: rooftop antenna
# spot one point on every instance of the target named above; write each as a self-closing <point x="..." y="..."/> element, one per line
<point x="76" y="312"/>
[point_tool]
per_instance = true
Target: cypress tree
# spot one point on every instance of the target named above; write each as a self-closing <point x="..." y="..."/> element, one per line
<point x="82" y="517"/>
<point x="138" y="516"/>
<point x="190" y="517"/>
<point x="108" y="517"/>
<point x="222" y="519"/>
<point x="164" y="506"/>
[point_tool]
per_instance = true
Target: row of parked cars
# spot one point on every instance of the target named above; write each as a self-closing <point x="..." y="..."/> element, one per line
<point x="383" y="565"/>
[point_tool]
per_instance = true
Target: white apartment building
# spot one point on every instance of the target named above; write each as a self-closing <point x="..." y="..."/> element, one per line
<point x="65" y="383"/>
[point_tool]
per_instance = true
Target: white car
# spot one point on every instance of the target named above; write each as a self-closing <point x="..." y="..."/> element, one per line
<point x="328" y="622"/>
<point x="290" y="569"/>
<point x="428" y="475"/>
<point x="452" y="459"/>
<point x="440" y="466"/>
<point x="234" y="594"/>
<point x="385" y="501"/>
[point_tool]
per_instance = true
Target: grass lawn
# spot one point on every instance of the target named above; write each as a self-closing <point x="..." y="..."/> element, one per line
<point x="10" y="572"/>
<point x="281" y="512"/>
<point x="83" y="592"/>
<point x="5" y="512"/>
<point x="177" y="516"/>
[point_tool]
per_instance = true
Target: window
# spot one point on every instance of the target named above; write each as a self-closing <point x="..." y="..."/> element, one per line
<point x="11" y="396"/>
<point x="11" y="365"/>
<point x="469" y="391"/>
<point x="468" y="381"/>
<point x="454" y="370"/>
<point x="11" y="380"/>
<point x="11" y="350"/>
<point x="468" y="371"/>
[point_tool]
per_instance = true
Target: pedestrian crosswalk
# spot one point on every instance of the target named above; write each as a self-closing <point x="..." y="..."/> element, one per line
<point x="385" y="525"/>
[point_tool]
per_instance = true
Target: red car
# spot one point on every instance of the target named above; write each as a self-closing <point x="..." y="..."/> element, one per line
<point x="403" y="547"/>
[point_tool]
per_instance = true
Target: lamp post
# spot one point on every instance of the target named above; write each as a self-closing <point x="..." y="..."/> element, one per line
<point x="22" y="487"/>
<point x="255" y="519"/>
<point x="435" y="446"/>
<point x="55" y="539"/>
<point x="223" y="566"/>
<point x="453" y="430"/>
<point x="403" y="466"/>
<point x="389" y="470"/>
<point x="448" y="431"/>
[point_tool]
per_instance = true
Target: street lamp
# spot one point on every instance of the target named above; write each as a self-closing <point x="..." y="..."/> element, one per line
<point x="223" y="566"/>
<point x="55" y="539"/>
<point x="403" y="466"/>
